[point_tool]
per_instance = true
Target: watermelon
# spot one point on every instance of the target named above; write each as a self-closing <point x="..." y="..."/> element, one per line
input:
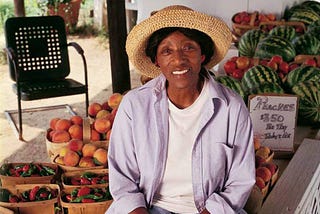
<point x="257" y="75"/>
<point x="275" y="45"/>
<point x="248" y="42"/>
<point x="304" y="15"/>
<point x="233" y="84"/>
<point x="309" y="101"/>
<point x="301" y="74"/>
<point x="285" y="31"/>
<point x="314" y="30"/>
<point x="267" y="87"/>
<point x="313" y="5"/>
<point x="290" y="10"/>
<point x="306" y="44"/>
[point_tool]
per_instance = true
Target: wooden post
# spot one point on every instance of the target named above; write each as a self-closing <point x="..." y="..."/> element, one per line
<point x="19" y="10"/>
<point x="117" y="39"/>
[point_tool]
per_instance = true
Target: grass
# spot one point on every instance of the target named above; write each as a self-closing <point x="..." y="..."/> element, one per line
<point x="84" y="29"/>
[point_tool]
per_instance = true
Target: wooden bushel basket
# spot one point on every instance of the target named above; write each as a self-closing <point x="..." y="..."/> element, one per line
<point x="9" y="182"/>
<point x="71" y="174"/>
<point x="53" y="148"/>
<point x="34" y="207"/>
<point x="84" y="208"/>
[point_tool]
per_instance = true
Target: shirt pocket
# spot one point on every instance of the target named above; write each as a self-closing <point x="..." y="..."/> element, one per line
<point x="218" y="158"/>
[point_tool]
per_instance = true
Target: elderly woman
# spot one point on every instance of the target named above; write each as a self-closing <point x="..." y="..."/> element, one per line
<point x="181" y="143"/>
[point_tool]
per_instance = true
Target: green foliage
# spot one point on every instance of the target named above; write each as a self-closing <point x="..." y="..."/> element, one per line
<point x="6" y="11"/>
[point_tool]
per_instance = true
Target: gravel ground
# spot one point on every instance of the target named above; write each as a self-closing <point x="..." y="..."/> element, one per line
<point x="35" y="124"/>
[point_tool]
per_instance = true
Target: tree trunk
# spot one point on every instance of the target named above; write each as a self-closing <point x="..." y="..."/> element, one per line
<point x="19" y="10"/>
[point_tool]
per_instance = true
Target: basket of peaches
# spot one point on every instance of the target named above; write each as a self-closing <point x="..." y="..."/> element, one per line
<point x="266" y="176"/>
<point x="95" y="130"/>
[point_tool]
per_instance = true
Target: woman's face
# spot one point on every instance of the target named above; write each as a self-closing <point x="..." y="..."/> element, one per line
<point x="179" y="59"/>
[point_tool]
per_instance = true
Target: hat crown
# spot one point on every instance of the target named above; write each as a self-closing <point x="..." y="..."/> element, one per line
<point x="176" y="16"/>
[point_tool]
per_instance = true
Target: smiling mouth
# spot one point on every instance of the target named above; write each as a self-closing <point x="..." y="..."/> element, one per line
<point x="180" y="72"/>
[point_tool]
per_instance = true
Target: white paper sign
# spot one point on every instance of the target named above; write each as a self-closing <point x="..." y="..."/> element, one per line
<point x="274" y="120"/>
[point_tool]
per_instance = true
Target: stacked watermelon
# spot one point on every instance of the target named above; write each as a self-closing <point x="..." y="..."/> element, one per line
<point x="279" y="64"/>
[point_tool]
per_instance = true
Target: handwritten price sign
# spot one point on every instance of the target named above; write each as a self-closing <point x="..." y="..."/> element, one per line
<point x="274" y="120"/>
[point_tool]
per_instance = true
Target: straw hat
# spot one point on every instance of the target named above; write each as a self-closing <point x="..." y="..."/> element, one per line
<point x="175" y="16"/>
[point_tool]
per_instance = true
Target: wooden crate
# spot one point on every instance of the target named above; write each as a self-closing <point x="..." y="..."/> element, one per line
<point x="53" y="149"/>
<point x="35" y="207"/>
<point x="73" y="168"/>
<point x="71" y="174"/>
<point x="83" y="208"/>
<point x="9" y="182"/>
<point x="4" y="210"/>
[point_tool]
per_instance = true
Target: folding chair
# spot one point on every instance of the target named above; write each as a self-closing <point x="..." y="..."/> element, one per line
<point x="38" y="58"/>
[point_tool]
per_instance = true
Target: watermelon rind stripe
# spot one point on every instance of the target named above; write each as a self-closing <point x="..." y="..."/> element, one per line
<point x="302" y="73"/>
<point x="309" y="101"/>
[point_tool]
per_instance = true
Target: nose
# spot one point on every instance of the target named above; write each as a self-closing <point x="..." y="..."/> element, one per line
<point x="179" y="57"/>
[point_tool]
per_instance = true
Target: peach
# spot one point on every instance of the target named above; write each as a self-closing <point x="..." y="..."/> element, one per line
<point x="76" y="119"/>
<point x="102" y="125"/>
<point x="88" y="150"/>
<point x="94" y="108"/>
<point x="60" y="136"/>
<point x="63" y="124"/>
<point x="50" y="134"/>
<point x="75" y="145"/>
<point x="53" y="122"/>
<point x="108" y="134"/>
<point x="256" y="143"/>
<point x="259" y="161"/>
<point x="59" y="160"/>
<point x="101" y="156"/>
<point x="95" y="136"/>
<point x="106" y="106"/>
<point x="114" y="100"/>
<point x="260" y="183"/>
<point x="264" y="173"/>
<point x="63" y="151"/>
<point x="103" y="114"/>
<point x="263" y="152"/>
<point x="76" y="131"/>
<point x="243" y="62"/>
<point x="71" y="158"/>
<point x="271" y="166"/>
<point x="86" y="162"/>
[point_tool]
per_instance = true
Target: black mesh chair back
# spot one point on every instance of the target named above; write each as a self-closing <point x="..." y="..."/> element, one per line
<point x="38" y="57"/>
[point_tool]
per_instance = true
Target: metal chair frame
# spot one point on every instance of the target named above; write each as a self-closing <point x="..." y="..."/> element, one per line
<point x="37" y="51"/>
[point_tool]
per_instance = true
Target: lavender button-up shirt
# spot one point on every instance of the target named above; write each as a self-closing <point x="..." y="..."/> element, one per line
<point x="223" y="167"/>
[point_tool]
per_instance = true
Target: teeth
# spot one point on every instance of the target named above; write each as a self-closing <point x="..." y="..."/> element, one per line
<point x="180" y="72"/>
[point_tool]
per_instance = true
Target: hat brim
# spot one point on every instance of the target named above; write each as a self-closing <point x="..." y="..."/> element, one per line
<point x="138" y="37"/>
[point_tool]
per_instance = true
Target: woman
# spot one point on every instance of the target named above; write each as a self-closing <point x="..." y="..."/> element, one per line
<point x="181" y="143"/>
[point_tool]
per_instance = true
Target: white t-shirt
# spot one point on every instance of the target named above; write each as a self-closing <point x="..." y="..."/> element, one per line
<point x="175" y="192"/>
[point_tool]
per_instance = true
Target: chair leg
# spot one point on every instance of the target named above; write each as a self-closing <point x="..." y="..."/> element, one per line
<point x="87" y="103"/>
<point x="20" y="118"/>
<point x="18" y="130"/>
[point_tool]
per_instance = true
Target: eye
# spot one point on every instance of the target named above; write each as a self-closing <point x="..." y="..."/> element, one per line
<point x="165" y="51"/>
<point x="188" y="47"/>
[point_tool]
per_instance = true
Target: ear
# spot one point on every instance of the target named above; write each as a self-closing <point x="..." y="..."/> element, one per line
<point x="156" y="62"/>
<point x="203" y="57"/>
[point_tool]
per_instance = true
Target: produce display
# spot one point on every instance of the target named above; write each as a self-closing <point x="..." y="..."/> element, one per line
<point x="282" y="59"/>
<point x="87" y="195"/>
<point x="86" y="178"/>
<point x="78" y="154"/>
<point x="244" y="21"/>
<point x="26" y="170"/>
<point x="37" y="193"/>
<point x="266" y="169"/>
<point x="309" y="94"/>
<point x="275" y="45"/>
